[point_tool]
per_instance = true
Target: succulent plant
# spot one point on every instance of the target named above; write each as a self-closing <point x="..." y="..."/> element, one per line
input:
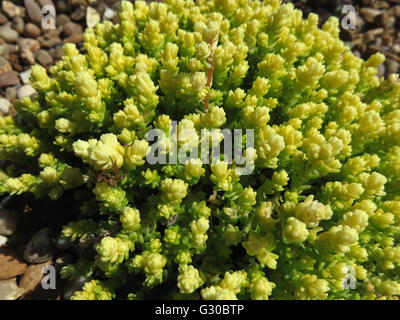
<point x="316" y="217"/>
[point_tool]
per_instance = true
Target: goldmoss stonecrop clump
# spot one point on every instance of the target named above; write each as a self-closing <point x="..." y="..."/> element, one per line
<point x="319" y="216"/>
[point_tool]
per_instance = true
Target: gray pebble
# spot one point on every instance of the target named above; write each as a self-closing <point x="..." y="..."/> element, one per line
<point x="8" y="221"/>
<point x="18" y="24"/>
<point x="4" y="107"/>
<point x="7" y="33"/>
<point x="11" y="93"/>
<point x="40" y="247"/>
<point x="43" y="57"/>
<point x="25" y="91"/>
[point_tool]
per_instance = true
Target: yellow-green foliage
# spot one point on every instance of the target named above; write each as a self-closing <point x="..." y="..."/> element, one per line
<point x="324" y="195"/>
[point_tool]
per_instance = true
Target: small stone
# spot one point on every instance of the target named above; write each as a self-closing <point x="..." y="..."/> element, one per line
<point x="109" y="14"/>
<point x="25" y="91"/>
<point x="390" y="23"/>
<point x="18" y="24"/>
<point x="31" y="30"/>
<point x="34" y="12"/>
<point x="33" y="276"/>
<point x="4" y="105"/>
<point x="347" y="35"/>
<point x="40" y="248"/>
<point x="31" y="44"/>
<point x="77" y="38"/>
<point x="8" y="79"/>
<point x="8" y="222"/>
<point x="394" y="11"/>
<point x="11" y="264"/>
<point x="11" y="10"/>
<point x="25" y="76"/>
<point x="27" y="56"/>
<point x="72" y="28"/>
<point x="9" y="290"/>
<point x="43" y="57"/>
<point x="381" y="19"/>
<point x="92" y="17"/>
<point x="3" y="19"/>
<point x="74" y="3"/>
<point x="387" y="39"/>
<point x="7" y="33"/>
<point x="61" y="20"/>
<point x="4" y="50"/>
<point x="48" y="43"/>
<point x="62" y="6"/>
<point x="11" y="94"/>
<point x="58" y="52"/>
<point x="3" y="241"/>
<point x="4" y="65"/>
<point x="43" y="3"/>
<point x="370" y="14"/>
<point x="79" y="13"/>
<point x="392" y="66"/>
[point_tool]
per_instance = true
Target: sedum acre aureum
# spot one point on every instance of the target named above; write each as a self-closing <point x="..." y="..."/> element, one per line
<point x="321" y="207"/>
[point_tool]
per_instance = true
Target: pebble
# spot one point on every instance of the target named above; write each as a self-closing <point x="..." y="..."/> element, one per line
<point x="58" y="52"/>
<point x="3" y="19"/>
<point x="62" y="19"/>
<point x="11" y="93"/>
<point x="34" y="12"/>
<point x="74" y="39"/>
<point x="31" y="30"/>
<point x="7" y="33"/>
<point x="40" y="248"/>
<point x="370" y="14"/>
<point x="92" y="17"/>
<point x="62" y="6"/>
<point x="27" y="43"/>
<point x="9" y="78"/>
<point x="25" y="91"/>
<point x="27" y="56"/>
<point x="79" y="13"/>
<point x="18" y="24"/>
<point x="10" y="264"/>
<point x="4" y="105"/>
<point x="4" y="65"/>
<point x="392" y="66"/>
<point x="43" y="3"/>
<point x="25" y="76"/>
<point x="8" y="222"/>
<point x="109" y="14"/>
<point x="43" y="57"/>
<point x="3" y="241"/>
<point x="32" y="277"/>
<point x="72" y="28"/>
<point x="9" y="290"/>
<point x="11" y="10"/>
<point x="3" y="50"/>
